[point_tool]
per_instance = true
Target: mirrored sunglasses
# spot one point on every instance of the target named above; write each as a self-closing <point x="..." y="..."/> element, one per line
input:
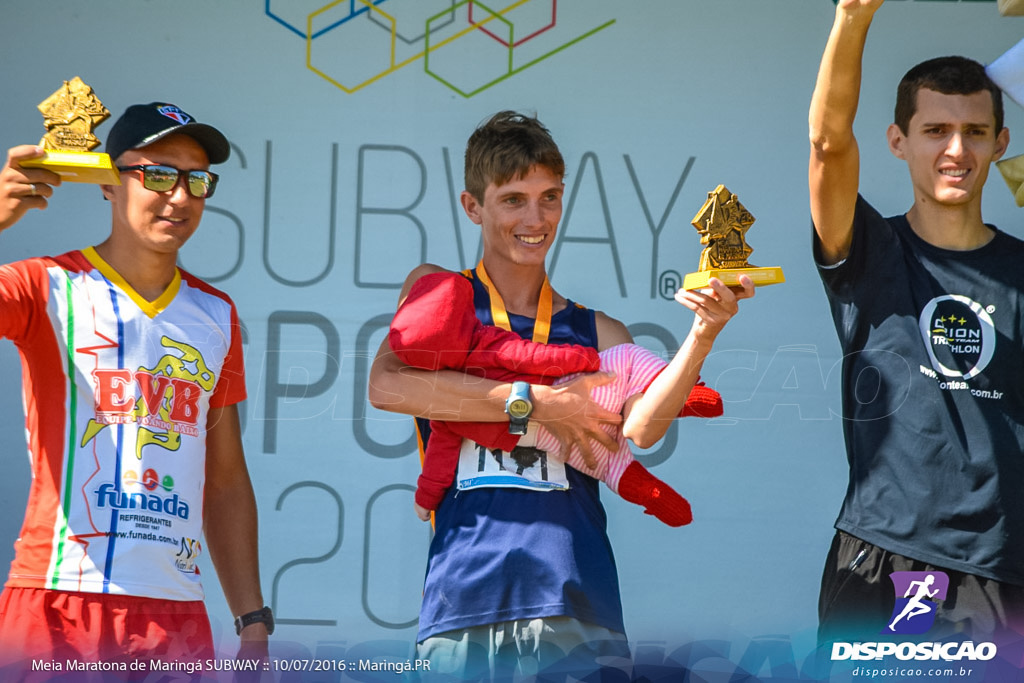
<point x="200" y="184"/>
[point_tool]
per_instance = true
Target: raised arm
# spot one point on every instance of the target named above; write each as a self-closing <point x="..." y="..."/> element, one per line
<point x="22" y="189"/>
<point x="834" y="169"/>
<point x="648" y="415"/>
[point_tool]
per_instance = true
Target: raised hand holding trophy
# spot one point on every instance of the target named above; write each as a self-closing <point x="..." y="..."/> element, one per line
<point x="70" y="114"/>
<point x="723" y="223"/>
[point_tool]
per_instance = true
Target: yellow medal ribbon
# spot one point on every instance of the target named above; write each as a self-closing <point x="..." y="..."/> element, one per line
<point x="541" y="326"/>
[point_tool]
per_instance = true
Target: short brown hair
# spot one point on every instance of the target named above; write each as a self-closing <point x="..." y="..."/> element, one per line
<point x="507" y="146"/>
<point x="949" y="76"/>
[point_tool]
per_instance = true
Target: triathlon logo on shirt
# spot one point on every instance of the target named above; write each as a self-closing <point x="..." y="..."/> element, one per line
<point x="959" y="336"/>
<point x="162" y="400"/>
<point x="917" y="594"/>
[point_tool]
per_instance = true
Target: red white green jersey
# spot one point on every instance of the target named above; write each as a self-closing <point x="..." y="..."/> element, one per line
<point x="117" y="391"/>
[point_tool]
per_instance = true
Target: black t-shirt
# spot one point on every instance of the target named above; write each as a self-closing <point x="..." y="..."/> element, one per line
<point x="933" y="395"/>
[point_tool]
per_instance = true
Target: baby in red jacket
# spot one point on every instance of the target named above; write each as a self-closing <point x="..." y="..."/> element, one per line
<point x="436" y="328"/>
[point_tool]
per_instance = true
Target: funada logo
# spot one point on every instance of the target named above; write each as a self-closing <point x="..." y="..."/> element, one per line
<point x="142" y="494"/>
<point x="917" y="595"/>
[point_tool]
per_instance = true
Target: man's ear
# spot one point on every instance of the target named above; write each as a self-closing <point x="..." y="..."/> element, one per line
<point x="896" y="139"/>
<point x="107" y="190"/>
<point x="471" y="206"/>
<point x="1002" y="142"/>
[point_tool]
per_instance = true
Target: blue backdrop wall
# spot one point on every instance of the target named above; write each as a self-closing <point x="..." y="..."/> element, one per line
<point x="348" y="127"/>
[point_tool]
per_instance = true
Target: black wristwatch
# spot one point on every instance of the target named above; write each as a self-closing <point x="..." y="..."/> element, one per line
<point x="519" y="408"/>
<point x="264" y="615"/>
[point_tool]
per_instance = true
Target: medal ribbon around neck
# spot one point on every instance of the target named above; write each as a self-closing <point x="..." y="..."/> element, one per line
<point x="541" y="326"/>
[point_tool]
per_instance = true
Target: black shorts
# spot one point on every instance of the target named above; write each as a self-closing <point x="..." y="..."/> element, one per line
<point x="857" y="598"/>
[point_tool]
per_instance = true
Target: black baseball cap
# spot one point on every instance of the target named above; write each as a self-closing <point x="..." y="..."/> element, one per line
<point x="144" y="124"/>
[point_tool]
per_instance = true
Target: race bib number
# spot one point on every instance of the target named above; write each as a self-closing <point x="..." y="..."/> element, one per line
<point x="524" y="468"/>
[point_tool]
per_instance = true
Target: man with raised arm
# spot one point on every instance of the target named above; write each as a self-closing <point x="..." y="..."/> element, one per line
<point x="520" y="567"/>
<point x="133" y="374"/>
<point x="927" y="306"/>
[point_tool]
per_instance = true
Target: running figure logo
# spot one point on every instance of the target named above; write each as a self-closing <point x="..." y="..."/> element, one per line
<point x="915" y="607"/>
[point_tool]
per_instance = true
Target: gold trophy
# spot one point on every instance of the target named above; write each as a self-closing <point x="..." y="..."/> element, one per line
<point x="1013" y="173"/>
<point x="722" y="223"/>
<point x="70" y="114"/>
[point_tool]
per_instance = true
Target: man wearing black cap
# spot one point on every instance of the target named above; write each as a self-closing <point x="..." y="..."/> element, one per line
<point x="133" y="372"/>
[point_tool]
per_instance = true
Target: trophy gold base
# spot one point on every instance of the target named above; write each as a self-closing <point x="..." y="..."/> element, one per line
<point x="731" y="276"/>
<point x="1013" y="173"/>
<point x="78" y="167"/>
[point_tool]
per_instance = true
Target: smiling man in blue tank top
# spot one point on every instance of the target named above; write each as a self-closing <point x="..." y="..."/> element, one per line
<point x="928" y="307"/>
<point x="520" y="574"/>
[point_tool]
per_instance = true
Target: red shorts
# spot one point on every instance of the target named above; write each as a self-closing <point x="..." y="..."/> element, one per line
<point x="48" y="625"/>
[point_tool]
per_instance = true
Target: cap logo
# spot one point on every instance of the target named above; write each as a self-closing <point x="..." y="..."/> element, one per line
<point x="172" y="112"/>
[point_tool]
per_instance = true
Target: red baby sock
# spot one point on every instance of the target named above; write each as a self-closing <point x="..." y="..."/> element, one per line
<point x="702" y="402"/>
<point x="639" y="486"/>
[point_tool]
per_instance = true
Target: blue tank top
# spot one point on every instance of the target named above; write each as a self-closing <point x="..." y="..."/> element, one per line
<point x="501" y="554"/>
